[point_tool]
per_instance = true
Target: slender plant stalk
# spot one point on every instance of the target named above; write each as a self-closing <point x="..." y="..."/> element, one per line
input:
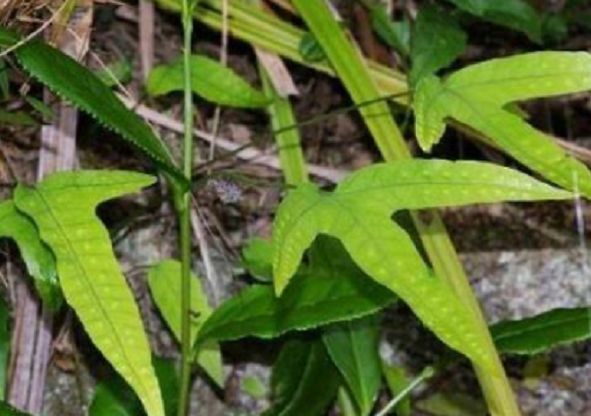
<point x="250" y="25"/>
<point x="345" y="403"/>
<point x="295" y="171"/>
<point x="425" y="374"/>
<point x="185" y="216"/>
<point x="288" y="138"/>
<point x="355" y="75"/>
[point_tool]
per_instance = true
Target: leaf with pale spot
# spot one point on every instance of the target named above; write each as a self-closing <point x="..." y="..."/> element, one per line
<point x="359" y="214"/>
<point x="63" y="208"/>
<point x="479" y="95"/>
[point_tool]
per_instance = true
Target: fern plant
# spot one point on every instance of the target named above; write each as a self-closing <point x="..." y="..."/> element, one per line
<point x="329" y="304"/>
<point x="59" y="234"/>
<point x="478" y="96"/>
<point x="359" y="214"/>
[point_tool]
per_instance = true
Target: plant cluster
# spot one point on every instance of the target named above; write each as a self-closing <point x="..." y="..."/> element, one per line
<point x="338" y="257"/>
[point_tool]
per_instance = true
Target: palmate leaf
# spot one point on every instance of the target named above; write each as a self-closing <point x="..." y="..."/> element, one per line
<point x="330" y="289"/>
<point x="86" y="91"/>
<point x="36" y="255"/>
<point x="165" y="284"/>
<point x="476" y="96"/>
<point x="63" y="208"/>
<point x="209" y="79"/>
<point x="543" y="332"/>
<point x="359" y="213"/>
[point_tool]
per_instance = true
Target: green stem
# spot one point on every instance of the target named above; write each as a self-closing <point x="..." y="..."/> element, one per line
<point x="287" y="137"/>
<point x="280" y="37"/>
<point x="356" y="76"/>
<point x="185" y="216"/>
<point x="345" y="403"/>
<point x="425" y="374"/>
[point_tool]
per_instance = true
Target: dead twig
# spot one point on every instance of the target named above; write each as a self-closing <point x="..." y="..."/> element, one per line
<point x="248" y="154"/>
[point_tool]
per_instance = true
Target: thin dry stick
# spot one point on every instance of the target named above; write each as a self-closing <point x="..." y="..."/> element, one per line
<point x="146" y="38"/>
<point x="201" y="236"/>
<point x="248" y="154"/>
<point x="35" y="33"/>
<point x="58" y="152"/>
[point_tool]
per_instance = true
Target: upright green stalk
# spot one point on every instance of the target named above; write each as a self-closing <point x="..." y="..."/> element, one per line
<point x="185" y="215"/>
<point x="355" y="75"/>
<point x="289" y="142"/>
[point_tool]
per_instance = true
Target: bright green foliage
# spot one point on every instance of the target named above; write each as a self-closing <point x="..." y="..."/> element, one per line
<point x="354" y="73"/>
<point x="331" y="289"/>
<point x="112" y="397"/>
<point x="254" y="387"/>
<point x="304" y="380"/>
<point x="543" y="332"/>
<point x="476" y="96"/>
<point x="353" y="348"/>
<point x="358" y="213"/>
<point x="169" y="382"/>
<point x="87" y="92"/>
<point x="257" y="258"/>
<point x="8" y="410"/>
<point x="38" y="258"/>
<point x="164" y="280"/>
<point x="436" y="42"/>
<point x="514" y="14"/>
<point x="209" y="79"/>
<point x="63" y="208"/>
<point x="397" y="381"/>
<point x="395" y="34"/>
<point x="4" y="344"/>
<point x="310" y="49"/>
<point x="118" y="72"/>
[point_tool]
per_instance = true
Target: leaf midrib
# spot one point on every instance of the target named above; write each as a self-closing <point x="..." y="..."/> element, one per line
<point x="409" y="288"/>
<point x="359" y="378"/>
<point x="86" y="280"/>
<point x="299" y="390"/>
<point x="280" y="328"/>
<point x="434" y="183"/>
<point x="500" y="81"/>
<point x="513" y="144"/>
<point x="542" y="326"/>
